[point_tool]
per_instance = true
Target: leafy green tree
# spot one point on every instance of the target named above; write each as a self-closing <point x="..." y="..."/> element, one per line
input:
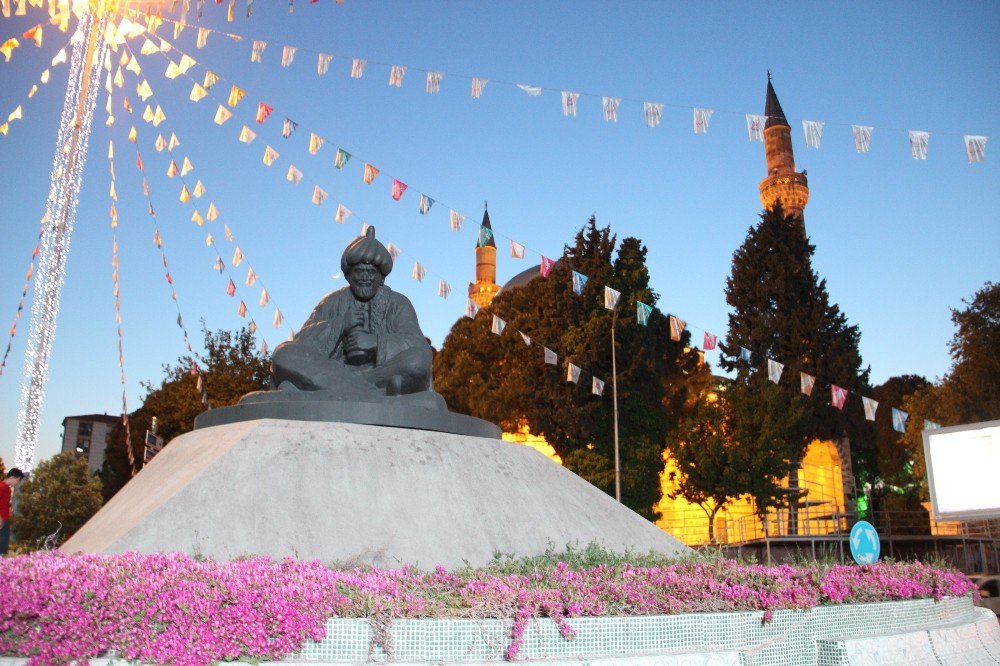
<point x="58" y="498"/>
<point x="781" y="310"/>
<point x="503" y="380"/>
<point x="230" y="367"/>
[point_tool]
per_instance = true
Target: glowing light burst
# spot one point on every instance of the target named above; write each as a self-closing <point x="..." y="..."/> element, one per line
<point x="89" y="51"/>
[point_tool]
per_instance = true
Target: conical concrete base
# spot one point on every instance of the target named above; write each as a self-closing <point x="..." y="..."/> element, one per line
<point x="358" y="494"/>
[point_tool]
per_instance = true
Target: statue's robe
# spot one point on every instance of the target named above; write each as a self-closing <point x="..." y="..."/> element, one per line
<point x="316" y="359"/>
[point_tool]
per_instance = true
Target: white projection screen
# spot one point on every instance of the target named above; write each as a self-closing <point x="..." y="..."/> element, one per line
<point x="963" y="471"/>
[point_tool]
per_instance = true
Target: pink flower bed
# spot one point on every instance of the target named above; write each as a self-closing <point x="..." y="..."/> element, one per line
<point x="173" y="609"/>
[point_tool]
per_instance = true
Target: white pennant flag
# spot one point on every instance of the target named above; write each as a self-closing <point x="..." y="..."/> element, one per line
<point x="525" y="338"/>
<point x="498" y="325"/>
<point x="257" y="51"/>
<point x="550" y="356"/>
<point x="610" y="105"/>
<point x="478" y="85"/>
<point x="323" y="63"/>
<point x="270" y="155"/>
<point x="597" y="387"/>
<point x="813" y="129"/>
<point x="569" y="103"/>
<point x="456" y="220"/>
<point x="918" y="144"/>
<point x="342" y="214"/>
<point x="357" y="68"/>
<point x="975" y="148"/>
<point x="444" y="289"/>
<point x="653" y="112"/>
<point x="533" y="91"/>
<point x="315" y="143"/>
<point x="862" y="138"/>
<point x="294" y="175"/>
<point x="471" y="309"/>
<point x="516" y="250"/>
<point x="419" y="272"/>
<point x="264" y="298"/>
<point x="701" y="118"/>
<point x="774" y="370"/>
<point x="251" y="277"/>
<point x="434" y="82"/>
<point x="247" y="135"/>
<point x="870" y="407"/>
<point x="611" y="298"/>
<point x="288" y="55"/>
<point x="573" y="373"/>
<point x="396" y="75"/>
<point x="319" y="195"/>
<point x="755" y="126"/>
<point x="393" y="250"/>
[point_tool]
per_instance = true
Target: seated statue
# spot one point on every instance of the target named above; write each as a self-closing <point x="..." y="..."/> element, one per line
<point x="362" y="340"/>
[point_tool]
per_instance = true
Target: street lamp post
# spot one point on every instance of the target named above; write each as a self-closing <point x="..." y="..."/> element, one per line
<point x="614" y="395"/>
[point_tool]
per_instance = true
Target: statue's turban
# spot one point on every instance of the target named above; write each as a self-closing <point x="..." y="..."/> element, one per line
<point x="366" y="250"/>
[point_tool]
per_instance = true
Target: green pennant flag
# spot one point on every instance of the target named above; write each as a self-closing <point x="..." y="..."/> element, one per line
<point x="342" y="158"/>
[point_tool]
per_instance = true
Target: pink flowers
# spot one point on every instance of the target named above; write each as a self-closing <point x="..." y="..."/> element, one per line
<point x="178" y="610"/>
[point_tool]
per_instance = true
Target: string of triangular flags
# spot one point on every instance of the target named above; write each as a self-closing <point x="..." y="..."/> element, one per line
<point x="652" y="112"/>
<point x="9" y="45"/>
<point x="24" y="293"/>
<point x="239" y="255"/>
<point x="18" y="112"/>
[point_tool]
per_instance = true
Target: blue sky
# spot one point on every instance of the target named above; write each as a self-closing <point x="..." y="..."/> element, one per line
<point x="899" y="241"/>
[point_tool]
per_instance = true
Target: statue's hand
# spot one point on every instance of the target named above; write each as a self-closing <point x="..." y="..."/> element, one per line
<point x="360" y="340"/>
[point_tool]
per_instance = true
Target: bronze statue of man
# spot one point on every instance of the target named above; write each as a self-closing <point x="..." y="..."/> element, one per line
<point x="360" y="340"/>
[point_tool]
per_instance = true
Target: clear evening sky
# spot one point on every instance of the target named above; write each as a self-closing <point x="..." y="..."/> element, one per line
<point x="899" y="241"/>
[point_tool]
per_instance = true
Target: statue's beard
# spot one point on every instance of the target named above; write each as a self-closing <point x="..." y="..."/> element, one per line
<point x="364" y="292"/>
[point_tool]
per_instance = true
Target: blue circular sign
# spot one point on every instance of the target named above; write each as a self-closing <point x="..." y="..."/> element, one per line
<point x="865" y="546"/>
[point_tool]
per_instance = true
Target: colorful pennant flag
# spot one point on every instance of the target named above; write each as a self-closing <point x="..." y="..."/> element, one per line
<point x="456" y="219"/>
<point x="806" y="383"/>
<point x="357" y="68"/>
<point x="611" y="297"/>
<point x="485" y="236"/>
<point x="573" y="373"/>
<point x="370" y="173"/>
<point x="263" y="111"/>
<point x="745" y="354"/>
<point x="341" y="159"/>
<point x="677" y="326"/>
<point x="597" y="387"/>
<point x="471" y="309"/>
<point x="257" y="51"/>
<point x="478" y="86"/>
<point x="242" y="310"/>
<point x="550" y="356"/>
<point x="315" y="143"/>
<point x="288" y="55"/>
<point x="610" y="106"/>
<point x="398" y="188"/>
<point x="653" y="112"/>
<point x="237" y="257"/>
<point x="323" y="63"/>
<point x="247" y="135"/>
<point x="342" y="214"/>
<point x="419" y="272"/>
<point x="319" y="195"/>
<point x="222" y="115"/>
<point x="838" y="396"/>
<point x="288" y="127"/>
<point x="774" y="370"/>
<point x="231" y="289"/>
<point x="498" y="325"/>
<point x="251" y="277"/>
<point x="642" y="312"/>
<point x="197" y="92"/>
<point x="444" y="289"/>
<point x="569" y="103"/>
<point x="813" y="129"/>
<point x="755" y="126"/>
<point x="278" y="318"/>
<point x="870" y="407"/>
<point x="186" y="167"/>
<point x="211" y="78"/>
<point x="202" y="38"/>
<point x="264" y="298"/>
<point x="434" y="82"/>
<point x="930" y="425"/>
<point x="396" y="74"/>
<point x="975" y="148"/>
<point x="710" y="341"/>
<point x="918" y="144"/>
<point x="579" y="281"/>
<point x="899" y="420"/>
<point x="701" y="118"/>
<point x="516" y="250"/>
<point x="546" y="266"/>
<point x="270" y="155"/>
<point x="236" y="95"/>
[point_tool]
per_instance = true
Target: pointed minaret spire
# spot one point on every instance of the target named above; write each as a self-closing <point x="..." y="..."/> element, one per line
<point x="482" y="291"/>
<point x="772" y="107"/>
<point x="783" y="183"/>
<point x="486" y="224"/>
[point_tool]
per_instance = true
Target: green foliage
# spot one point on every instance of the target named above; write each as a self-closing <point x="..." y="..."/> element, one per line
<point x="499" y="379"/>
<point x="576" y="557"/>
<point x="59" y="497"/>
<point x="230" y="368"/>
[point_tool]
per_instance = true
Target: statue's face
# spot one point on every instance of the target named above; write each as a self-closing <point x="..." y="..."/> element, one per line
<point x="365" y="280"/>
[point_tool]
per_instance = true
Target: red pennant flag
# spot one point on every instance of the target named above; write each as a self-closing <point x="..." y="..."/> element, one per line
<point x="397" y="189"/>
<point x="838" y="396"/>
<point x="546" y="266"/>
<point x="263" y="111"/>
<point x="710" y="341"/>
<point x="231" y="289"/>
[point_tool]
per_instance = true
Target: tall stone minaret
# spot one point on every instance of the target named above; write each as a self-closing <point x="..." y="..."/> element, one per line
<point x="482" y="291"/>
<point x="783" y="181"/>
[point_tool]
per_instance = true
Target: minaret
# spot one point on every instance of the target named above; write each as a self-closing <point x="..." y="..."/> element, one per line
<point x="783" y="181"/>
<point x="482" y="291"/>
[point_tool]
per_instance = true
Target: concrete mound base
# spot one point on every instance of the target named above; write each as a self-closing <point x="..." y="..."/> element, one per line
<point x="358" y="494"/>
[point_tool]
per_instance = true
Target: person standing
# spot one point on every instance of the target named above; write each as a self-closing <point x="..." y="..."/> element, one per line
<point x="14" y="477"/>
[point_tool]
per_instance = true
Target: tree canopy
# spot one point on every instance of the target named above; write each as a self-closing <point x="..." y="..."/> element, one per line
<point x="230" y="367"/>
<point x="503" y="380"/>
<point x="57" y="499"/>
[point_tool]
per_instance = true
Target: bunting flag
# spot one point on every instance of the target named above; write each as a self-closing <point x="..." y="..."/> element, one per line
<point x="710" y="341"/>
<point x="159" y="116"/>
<point x="774" y="370"/>
<point x="173" y="71"/>
<point x="251" y="277"/>
<point x="930" y="425"/>
<point x="918" y="144"/>
<point x="264" y="298"/>
<point x="478" y="86"/>
<point x="550" y="356"/>
<point x="610" y="106"/>
<point x="342" y="214"/>
<point x="185" y="195"/>
<point x="838" y="396"/>
<point x="813" y="129"/>
<point x="211" y="78"/>
<point x="546" y="266"/>
<point x="222" y="115"/>
<point x="247" y="135"/>
<point x="398" y="188"/>
<point x="434" y="82"/>
<point x="498" y="325"/>
<point x="287" y="55"/>
<point x="516" y="250"/>
<point x="642" y="312"/>
<point x="533" y="91"/>
<point x="444" y="289"/>
<point x="396" y="74"/>
<point x="257" y="51"/>
<point x="370" y="173"/>
<point x="341" y="159"/>
<point x="229" y="233"/>
<point x="186" y="63"/>
<point x="755" y="127"/>
<point x="393" y="250"/>
<point x="288" y="127"/>
<point x="237" y="257"/>
<point x="202" y="37"/>
<point x="701" y="118"/>
<point x="806" y="383"/>
<point x="323" y="63"/>
<point x="212" y="213"/>
<point x="425" y="204"/>
<point x="677" y="326"/>
<point x="471" y="309"/>
<point x="975" y="148"/>
<point x="525" y="338"/>
<point x="315" y="143"/>
<point x="186" y="167"/>
<point x="173" y="143"/>
<point x="573" y="373"/>
<point x="357" y="68"/>
<point x="7" y="48"/>
<point x="653" y="112"/>
<point x="236" y="95"/>
<point x="263" y="111"/>
<point x="569" y="103"/>
<point x="579" y="281"/>
<point x="278" y="318"/>
<point x="744" y="354"/>
<point x="197" y="93"/>
<point x="270" y="155"/>
<point x="263" y="345"/>
<point x="219" y="264"/>
<point x="419" y="272"/>
<point x="199" y="190"/>
<point x="899" y="420"/>
<point x="597" y="387"/>
<point x="34" y="34"/>
<point x="485" y="236"/>
<point x="456" y="219"/>
<point x="172" y="169"/>
<point x="231" y="289"/>
<point x="319" y="195"/>
<point x="870" y="407"/>
<point x="242" y="310"/>
<point x="144" y="91"/>
<point x="611" y="298"/>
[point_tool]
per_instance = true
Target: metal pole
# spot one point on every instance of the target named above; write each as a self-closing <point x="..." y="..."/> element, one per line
<point x="614" y="394"/>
